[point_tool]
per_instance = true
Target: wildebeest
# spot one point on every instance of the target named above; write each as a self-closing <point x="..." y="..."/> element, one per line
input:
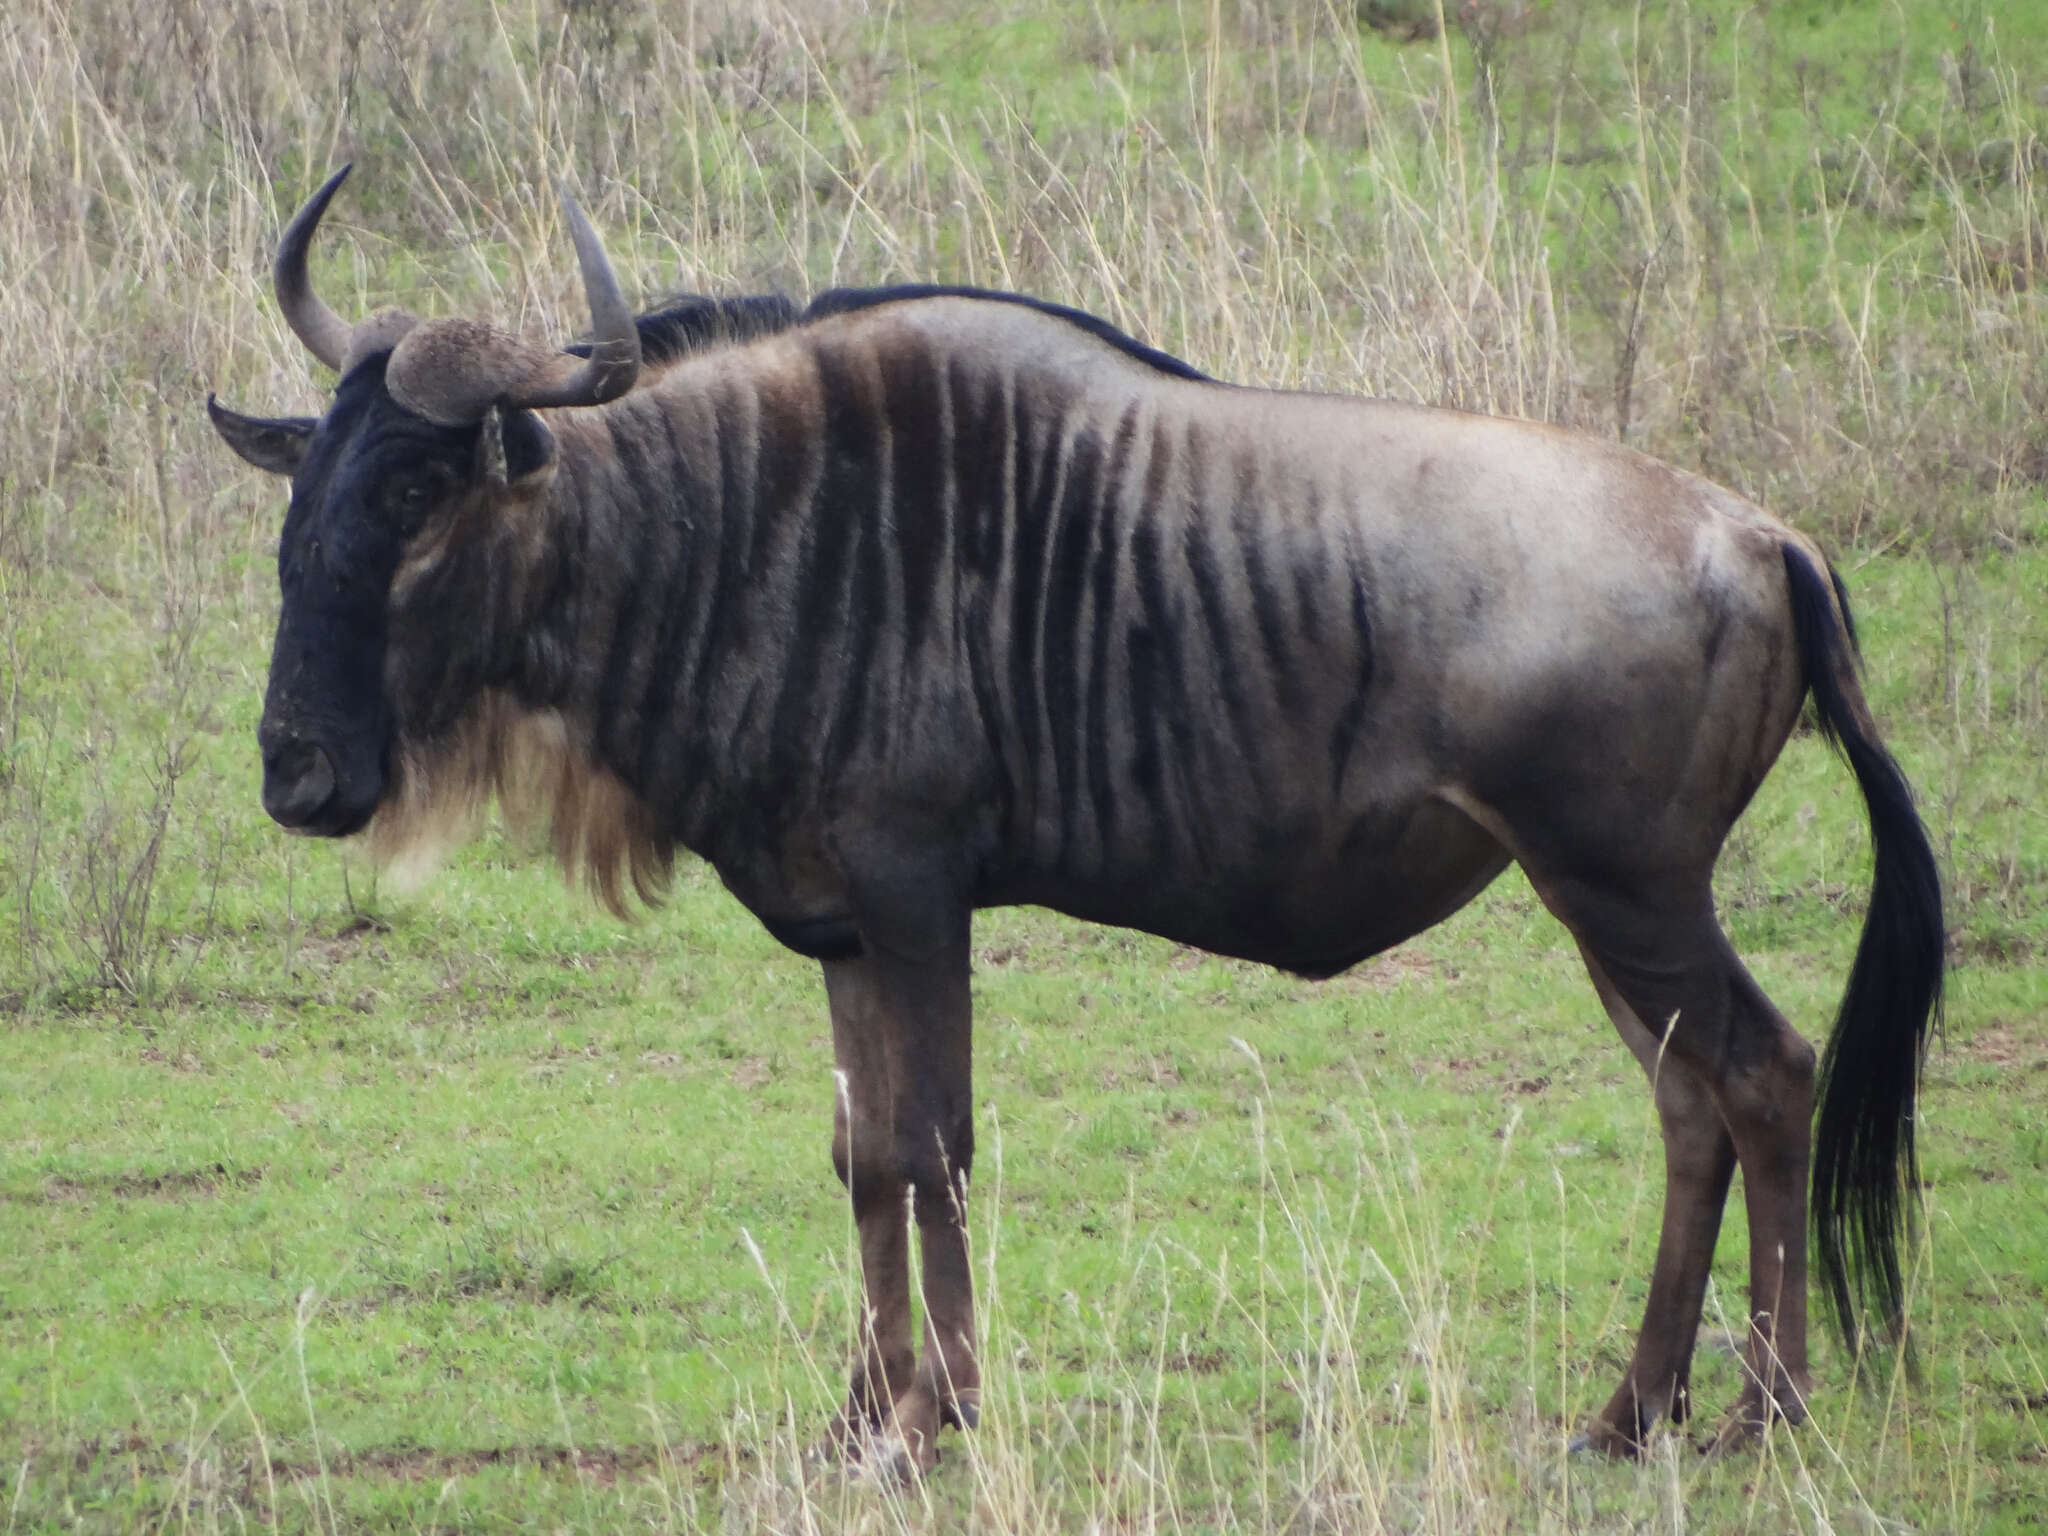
<point x="918" y="601"/>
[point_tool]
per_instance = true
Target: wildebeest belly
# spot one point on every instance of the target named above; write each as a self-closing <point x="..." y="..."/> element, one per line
<point x="1314" y="901"/>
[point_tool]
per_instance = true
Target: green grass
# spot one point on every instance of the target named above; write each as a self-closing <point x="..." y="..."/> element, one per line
<point x="486" y="1222"/>
<point x="333" y="1207"/>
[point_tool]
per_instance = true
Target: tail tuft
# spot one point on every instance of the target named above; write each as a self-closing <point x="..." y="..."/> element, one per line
<point x="1865" y="1171"/>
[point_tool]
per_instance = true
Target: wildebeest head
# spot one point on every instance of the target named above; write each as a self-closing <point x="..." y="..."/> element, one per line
<point x="431" y="448"/>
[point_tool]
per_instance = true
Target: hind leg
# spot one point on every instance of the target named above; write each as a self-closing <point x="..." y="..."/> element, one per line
<point x="1673" y="969"/>
<point x="1769" y="1102"/>
<point x="1699" y="1161"/>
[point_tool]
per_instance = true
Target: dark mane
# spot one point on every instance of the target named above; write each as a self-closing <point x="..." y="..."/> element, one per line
<point x="694" y="322"/>
<point x="840" y="301"/>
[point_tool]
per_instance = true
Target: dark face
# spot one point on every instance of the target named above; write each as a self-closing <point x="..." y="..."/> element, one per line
<point x="367" y="478"/>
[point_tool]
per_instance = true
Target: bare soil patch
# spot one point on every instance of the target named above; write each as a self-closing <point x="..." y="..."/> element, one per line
<point x="2002" y="1044"/>
<point x="180" y="1184"/>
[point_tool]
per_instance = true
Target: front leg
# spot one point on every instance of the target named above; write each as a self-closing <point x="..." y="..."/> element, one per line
<point x="903" y="1145"/>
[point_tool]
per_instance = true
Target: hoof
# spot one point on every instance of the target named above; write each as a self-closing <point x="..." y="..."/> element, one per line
<point x="882" y="1458"/>
<point x="1749" y="1426"/>
<point x="893" y="1461"/>
<point x="1739" y="1433"/>
<point x="844" y="1444"/>
<point x="841" y="1449"/>
<point x="962" y="1412"/>
<point x="1599" y="1439"/>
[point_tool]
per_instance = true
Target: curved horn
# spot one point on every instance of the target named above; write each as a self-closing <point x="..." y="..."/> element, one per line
<point x="614" y="361"/>
<point x="325" y="333"/>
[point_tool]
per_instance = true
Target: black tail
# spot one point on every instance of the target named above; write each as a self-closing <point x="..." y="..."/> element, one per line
<point x="1863" y="1158"/>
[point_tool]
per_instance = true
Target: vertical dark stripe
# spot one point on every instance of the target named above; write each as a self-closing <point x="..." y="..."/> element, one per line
<point x="1145" y="701"/>
<point x="1253" y="533"/>
<point x="1222" y="653"/>
<point x="1065" y="608"/>
<point x="982" y="455"/>
<point x="915" y="419"/>
<point x="726" y="536"/>
<point x="869" y="703"/>
<point x="1344" y="737"/>
<point x="981" y="461"/>
<point x="1041" y="474"/>
<point x="1309" y="573"/>
<point x="665" y="680"/>
<point x="827" y="603"/>
<point x="1104" y="584"/>
<point x="1164" y="705"/>
<point x="637" y="553"/>
<point x="947" y="585"/>
<point x="987" y="453"/>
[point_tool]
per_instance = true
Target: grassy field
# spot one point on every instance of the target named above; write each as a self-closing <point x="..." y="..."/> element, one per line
<point x="331" y="1206"/>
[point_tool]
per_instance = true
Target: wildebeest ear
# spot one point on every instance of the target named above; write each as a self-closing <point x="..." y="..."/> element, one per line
<point x="275" y="443"/>
<point x="514" y="447"/>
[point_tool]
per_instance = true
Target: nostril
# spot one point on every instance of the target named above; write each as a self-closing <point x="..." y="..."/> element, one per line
<point x="298" y="780"/>
<point x="288" y="757"/>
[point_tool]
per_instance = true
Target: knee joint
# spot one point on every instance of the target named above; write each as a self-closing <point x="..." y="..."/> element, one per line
<point x="935" y="1160"/>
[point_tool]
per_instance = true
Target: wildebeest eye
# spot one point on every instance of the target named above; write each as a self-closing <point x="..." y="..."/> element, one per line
<point x="410" y="502"/>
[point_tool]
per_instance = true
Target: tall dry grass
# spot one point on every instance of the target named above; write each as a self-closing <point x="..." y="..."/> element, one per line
<point x="1585" y="216"/>
<point x="1483" y="227"/>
